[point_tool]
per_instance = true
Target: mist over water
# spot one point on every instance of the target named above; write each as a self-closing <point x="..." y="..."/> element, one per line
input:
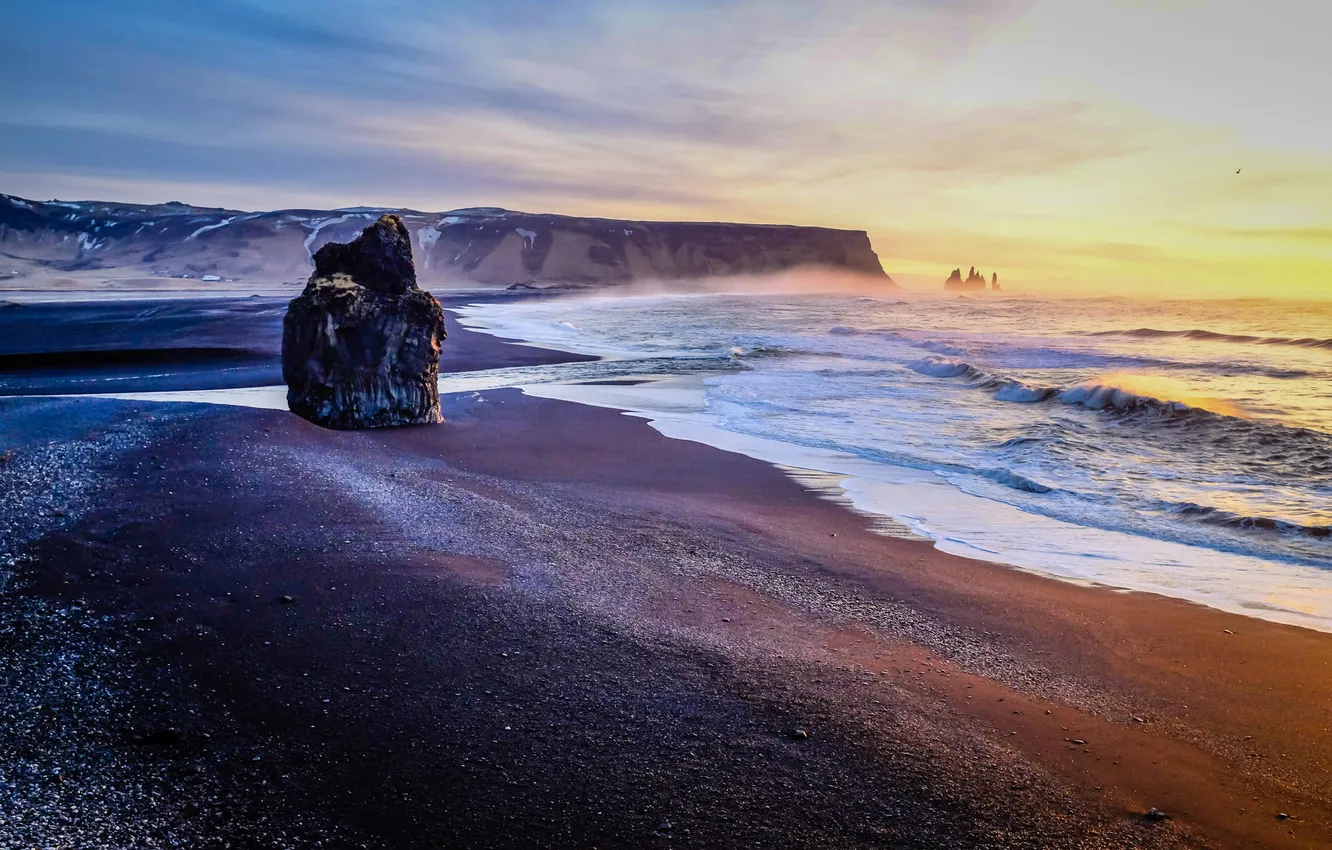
<point x="1205" y="423"/>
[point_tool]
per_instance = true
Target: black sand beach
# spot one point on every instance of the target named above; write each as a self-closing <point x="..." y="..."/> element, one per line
<point x="546" y="625"/>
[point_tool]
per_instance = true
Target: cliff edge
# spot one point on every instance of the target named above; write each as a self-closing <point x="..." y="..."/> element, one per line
<point x="465" y="247"/>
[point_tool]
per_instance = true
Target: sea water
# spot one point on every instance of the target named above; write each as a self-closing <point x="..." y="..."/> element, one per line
<point x="1182" y="447"/>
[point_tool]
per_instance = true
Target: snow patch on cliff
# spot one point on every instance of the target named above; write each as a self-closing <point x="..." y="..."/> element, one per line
<point x="223" y="223"/>
<point x="309" y="240"/>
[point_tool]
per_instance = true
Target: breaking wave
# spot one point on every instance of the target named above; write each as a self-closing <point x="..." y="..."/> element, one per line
<point x="1122" y="393"/>
<point x="1017" y="482"/>
<point x="740" y="352"/>
<point x="1125" y="399"/>
<point x="944" y="367"/>
<point x="1214" y="422"/>
<point x="1219" y="516"/>
<point x="1021" y="393"/>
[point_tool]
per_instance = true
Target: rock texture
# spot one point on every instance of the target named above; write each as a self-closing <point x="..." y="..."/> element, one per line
<point x="360" y="346"/>
<point x="481" y="246"/>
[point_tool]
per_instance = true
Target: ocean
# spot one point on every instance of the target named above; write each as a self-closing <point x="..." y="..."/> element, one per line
<point x="1175" y="446"/>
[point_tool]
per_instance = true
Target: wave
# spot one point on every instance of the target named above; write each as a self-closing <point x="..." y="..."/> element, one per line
<point x="1261" y="447"/>
<point x="1021" y="393"/>
<point x="1118" y="392"/>
<point x="1113" y="396"/>
<point x="1219" y="516"/>
<point x="941" y="347"/>
<point x="1219" y="423"/>
<point x="1063" y="358"/>
<point x="937" y="346"/>
<point x="1021" y="441"/>
<point x="1005" y="389"/>
<point x="1215" y="336"/>
<point x="944" y="367"/>
<point x="740" y="352"/>
<point x="1017" y="482"/>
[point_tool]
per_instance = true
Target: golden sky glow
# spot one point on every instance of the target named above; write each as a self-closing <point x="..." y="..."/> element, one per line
<point x="1086" y="144"/>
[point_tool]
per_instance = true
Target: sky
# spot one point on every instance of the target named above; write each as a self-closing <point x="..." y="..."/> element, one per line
<point x="1093" y="146"/>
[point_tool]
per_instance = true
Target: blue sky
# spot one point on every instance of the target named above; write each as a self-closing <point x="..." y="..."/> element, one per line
<point x="1059" y="140"/>
<point x="284" y="100"/>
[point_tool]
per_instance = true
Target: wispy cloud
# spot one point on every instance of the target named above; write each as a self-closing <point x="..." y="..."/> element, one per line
<point x="1317" y="235"/>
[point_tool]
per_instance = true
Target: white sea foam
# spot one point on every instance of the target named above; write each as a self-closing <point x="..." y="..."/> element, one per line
<point x="1022" y="393"/>
<point x="940" y="367"/>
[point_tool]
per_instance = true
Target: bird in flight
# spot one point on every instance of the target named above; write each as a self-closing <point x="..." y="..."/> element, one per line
<point x="1238" y="170"/>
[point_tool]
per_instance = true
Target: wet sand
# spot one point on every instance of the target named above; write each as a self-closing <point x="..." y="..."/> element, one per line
<point x="49" y="348"/>
<point x="544" y="624"/>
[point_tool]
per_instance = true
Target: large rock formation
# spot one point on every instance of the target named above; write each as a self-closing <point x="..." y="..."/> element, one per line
<point x="497" y="247"/>
<point x="360" y="346"/>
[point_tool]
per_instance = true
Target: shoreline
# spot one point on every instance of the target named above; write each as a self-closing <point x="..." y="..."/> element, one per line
<point x="910" y="502"/>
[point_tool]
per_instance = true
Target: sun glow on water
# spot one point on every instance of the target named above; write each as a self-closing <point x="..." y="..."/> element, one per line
<point x="1158" y="388"/>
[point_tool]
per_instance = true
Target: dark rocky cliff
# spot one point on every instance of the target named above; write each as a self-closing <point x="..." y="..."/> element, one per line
<point x="360" y="346"/>
<point x="484" y="246"/>
<point x="506" y="247"/>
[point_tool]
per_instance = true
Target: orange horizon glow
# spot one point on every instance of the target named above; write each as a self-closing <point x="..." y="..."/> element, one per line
<point x="1169" y="390"/>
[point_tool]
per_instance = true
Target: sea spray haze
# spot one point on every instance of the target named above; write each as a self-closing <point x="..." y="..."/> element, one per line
<point x="1199" y="431"/>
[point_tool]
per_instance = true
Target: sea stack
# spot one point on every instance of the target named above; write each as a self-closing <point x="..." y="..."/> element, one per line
<point x="975" y="281"/>
<point x="360" y="345"/>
